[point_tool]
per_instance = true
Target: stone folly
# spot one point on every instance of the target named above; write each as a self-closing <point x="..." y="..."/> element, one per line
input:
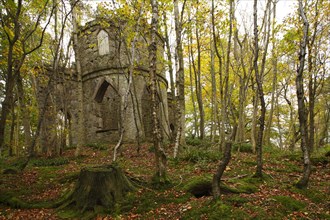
<point x="105" y="60"/>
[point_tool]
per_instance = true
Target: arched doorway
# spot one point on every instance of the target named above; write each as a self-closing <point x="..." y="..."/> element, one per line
<point x="108" y="98"/>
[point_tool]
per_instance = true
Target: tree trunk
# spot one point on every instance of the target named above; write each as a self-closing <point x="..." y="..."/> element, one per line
<point x="12" y="144"/>
<point x="80" y="95"/>
<point x="244" y="80"/>
<point x="160" y="156"/>
<point x="198" y="83"/>
<point x="303" y="181"/>
<point x="260" y="92"/>
<point x="180" y="101"/>
<point x="324" y="132"/>
<point x="312" y="82"/>
<point x="169" y="55"/>
<point x="222" y="106"/>
<point x="4" y="113"/>
<point x="214" y="96"/>
<point x="222" y="165"/>
<point x="292" y="128"/>
<point x="274" y="86"/>
<point x="253" y="135"/>
<point x="278" y="115"/>
<point x="98" y="189"/>
<point x="227" y="144"/>
<point x="195" y="131"/>
<point x="10" y="76"/>
<point x="12" y="26"/>
<point x="25" y="112"/>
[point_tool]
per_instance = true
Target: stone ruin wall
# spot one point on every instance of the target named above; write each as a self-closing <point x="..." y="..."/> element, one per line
<point x="104" y="75"/>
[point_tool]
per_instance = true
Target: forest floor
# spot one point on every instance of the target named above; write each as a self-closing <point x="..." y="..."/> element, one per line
<point x="273" y="197"/>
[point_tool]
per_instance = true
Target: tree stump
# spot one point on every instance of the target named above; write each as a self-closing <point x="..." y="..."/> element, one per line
<point x="99" y="188"/>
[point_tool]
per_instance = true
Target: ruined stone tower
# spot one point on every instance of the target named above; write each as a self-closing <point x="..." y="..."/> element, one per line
<point x="105" y="60"/>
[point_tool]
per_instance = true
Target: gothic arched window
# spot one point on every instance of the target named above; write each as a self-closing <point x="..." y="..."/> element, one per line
<point x="103" y="42"/>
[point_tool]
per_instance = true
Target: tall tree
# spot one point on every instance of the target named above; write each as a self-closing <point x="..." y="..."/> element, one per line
<point x="51" y="79"/>
<point x="260" y="92"/>
<point x="214" y="104"/>
<point x="160" y="156"/>
<point x="168" y="53"/>
<point x="197" y="71"/>
<point x="222" y="87"/>
<point x="227" y="143"/>
<point x="274" y="80"/>
<point x="180" y="101"/>
<point x="303" y="181"/>
<point x="312" y="79"/>
<point x="80" y="116"/>
<point x="23" y="39"/>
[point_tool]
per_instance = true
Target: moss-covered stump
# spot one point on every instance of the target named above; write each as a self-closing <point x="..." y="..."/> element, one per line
<point x="98" y="189"/>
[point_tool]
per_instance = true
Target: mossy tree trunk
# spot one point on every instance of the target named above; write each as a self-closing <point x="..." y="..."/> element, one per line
<point x="216" y="187"/>
<point x="99" y="188"/>
<point x="160" y="156"/>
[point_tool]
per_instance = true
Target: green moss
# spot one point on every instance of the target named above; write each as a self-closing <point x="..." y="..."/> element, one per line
<point x="293" y="156"/>
<point x="237" y="200"/>
<point x="149" y="200"/>
<point x="44" y="162"/>
<point x="247" y="184"/>
<point x="325" y="150"/>
<point x="48" y="173"/>
<point x="322" y="216"/>
<point x="67" y="214"/>
<point x="143" y="204"/>
<point x="247" y="188"/>
<point x="274" y="151"/>
<point x="15" y="164"/>
<point x="320" y="159"/>
<point x="75" y="214"/>
<point x="289" y="204"/>
<point x="160" y="183"/>
<point x="69" y="178"/>
<point x="202" y="186"/>
<point x="98" y="146"/>
<point x="256" y="213"/>
<point x="214" y="210"/>
<point x="198" y="142"/>
<point x="10" y="199"/>
<point x="243" y="147"/>
<point x="250" y="163"/>
<point x="196" y="155"/>
<point x="292" y="168"/>
<point x="196" y="180"/>
<point x="315" y="195"/>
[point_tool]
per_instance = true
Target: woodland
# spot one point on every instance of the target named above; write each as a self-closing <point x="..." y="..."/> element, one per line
<point x="251" y="94"/>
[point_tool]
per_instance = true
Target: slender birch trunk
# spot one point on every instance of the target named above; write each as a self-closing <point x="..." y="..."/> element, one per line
<point x="303" y="181"/>
<point x="160" y="156"/>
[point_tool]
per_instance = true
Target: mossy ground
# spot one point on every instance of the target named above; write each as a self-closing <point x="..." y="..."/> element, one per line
<point x="44" y="182"/>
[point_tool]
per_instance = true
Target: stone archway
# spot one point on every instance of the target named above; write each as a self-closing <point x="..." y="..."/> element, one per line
<point x="109" y="101"/>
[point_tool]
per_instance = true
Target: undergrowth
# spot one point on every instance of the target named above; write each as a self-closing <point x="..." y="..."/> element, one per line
<point x="269" y="197"/>
<point x="44" y="162"/>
